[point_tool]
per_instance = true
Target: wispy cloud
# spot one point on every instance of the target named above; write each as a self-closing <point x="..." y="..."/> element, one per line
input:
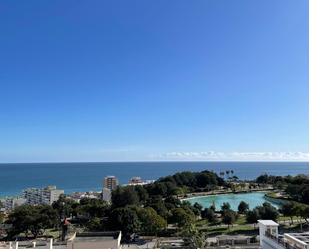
<point x="236" y="156"/>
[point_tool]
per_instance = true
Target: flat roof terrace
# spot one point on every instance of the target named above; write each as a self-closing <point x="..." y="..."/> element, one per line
<point x="96" y="236"/>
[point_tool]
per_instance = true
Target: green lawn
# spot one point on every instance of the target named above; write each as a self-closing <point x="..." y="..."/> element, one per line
<point x="236" y="229"/>
<point x="241" y="220"/>
<point x="240" y="227"/>
<point x="52" y="233"/>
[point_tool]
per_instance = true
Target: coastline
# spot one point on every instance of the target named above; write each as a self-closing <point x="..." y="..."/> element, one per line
<point x="82" y="177"/>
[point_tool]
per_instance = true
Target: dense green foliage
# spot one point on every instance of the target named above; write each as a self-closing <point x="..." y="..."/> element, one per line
<point x="243" y="207"/>
<point x="229" y="217"/>
<point x="124" y="196"/>
<point x="291" y="209"/>
<point x="296" y="187"/>
<point x="264" y="212"/>
<point x="192" y="181"/>
<point x="32" y="219"/>
<point x="209" y="214"/>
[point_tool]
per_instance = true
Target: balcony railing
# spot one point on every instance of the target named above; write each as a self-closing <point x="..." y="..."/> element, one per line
<point x="281" y="241"/>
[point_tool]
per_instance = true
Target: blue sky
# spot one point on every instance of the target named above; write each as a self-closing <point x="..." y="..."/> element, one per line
<point x="154" y="80"/>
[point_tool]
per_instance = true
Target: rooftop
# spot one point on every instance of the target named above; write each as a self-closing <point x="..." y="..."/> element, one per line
<point x="303" y="237"/>
<point x="97" y="236"/>
<point x="268" y="223"/>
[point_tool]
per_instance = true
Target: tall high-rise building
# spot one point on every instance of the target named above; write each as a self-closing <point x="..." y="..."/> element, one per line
<point x="110" y="182"/>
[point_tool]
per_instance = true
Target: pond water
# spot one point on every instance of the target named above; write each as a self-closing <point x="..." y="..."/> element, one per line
<point x="253" y="199"/>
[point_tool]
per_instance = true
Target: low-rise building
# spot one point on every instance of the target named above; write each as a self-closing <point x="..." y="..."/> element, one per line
<point x="271" y="239"/>
<point x="98" y="240"/>
<point x="77" y="196"/>
<point x="136" y="180"/>
<point x="95" y="240"/>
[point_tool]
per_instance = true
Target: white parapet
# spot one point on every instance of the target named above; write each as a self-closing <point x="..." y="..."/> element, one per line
<point x="50" y="244"/>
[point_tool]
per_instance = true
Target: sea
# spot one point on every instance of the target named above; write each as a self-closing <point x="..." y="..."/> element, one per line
<point x="82" y="177"/>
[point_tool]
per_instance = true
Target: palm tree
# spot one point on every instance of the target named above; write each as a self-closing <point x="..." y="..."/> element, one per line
<point x="227" y="173"/>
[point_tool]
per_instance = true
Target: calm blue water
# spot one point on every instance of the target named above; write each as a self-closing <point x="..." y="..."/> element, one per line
<point x="253" y="199"/>
<point x="88" y="176"/>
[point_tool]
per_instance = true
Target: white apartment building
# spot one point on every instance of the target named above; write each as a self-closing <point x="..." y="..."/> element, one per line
<point x="47" y="195"/>
<point x="271" y="239"/>
<point x="13" y="202"/>
<point x="136" y="180"/>
<point x="106" y="195"/>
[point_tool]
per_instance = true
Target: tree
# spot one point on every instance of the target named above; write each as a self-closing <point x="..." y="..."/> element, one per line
<point x="182" y="182"/>
<point x="1" y="213"/>
<point x="265" y="212"/>
<point x="243" y="207"/>
<point x="123" y="196"/>
<point x="305" y="194"/>
<point x="198" y="206"/>
<point x="225" y="207"/>
<point x="209" y="214"/>
<point x="124" y="219"/>
<point x="196" y="209"/>
<point x="151" y="222"/>
<point x="1" y="217"/>
<point x="33" y="219"/>
<point x="93" y="207"/>
<point x="262" y="179"/>
<point x="94" y="224"/>
<point x="48" y="217"/>
<point x="229" y="217"/>
<point x="304" y="212"/>
<point x="235" y="178"/>
<point x="181" y="217"/>
<point x="159" y="188"/>
<point x="172" y="202"/>
<point x="252" y="216"/>
<point x="197" y="237"/>
<point x="161" y="208"/>
<point x="227" y="172"/>
<point x="268" y="212"/>
<point x="206" y="179"/>
<point x="142" y="193"/>
<point x="289" y="209"/>
<point x="213" y="207"/>
<point x="65" y="207"/>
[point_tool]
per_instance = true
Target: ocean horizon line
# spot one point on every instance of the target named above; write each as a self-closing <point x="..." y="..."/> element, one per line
<point x="161" y="161"/>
